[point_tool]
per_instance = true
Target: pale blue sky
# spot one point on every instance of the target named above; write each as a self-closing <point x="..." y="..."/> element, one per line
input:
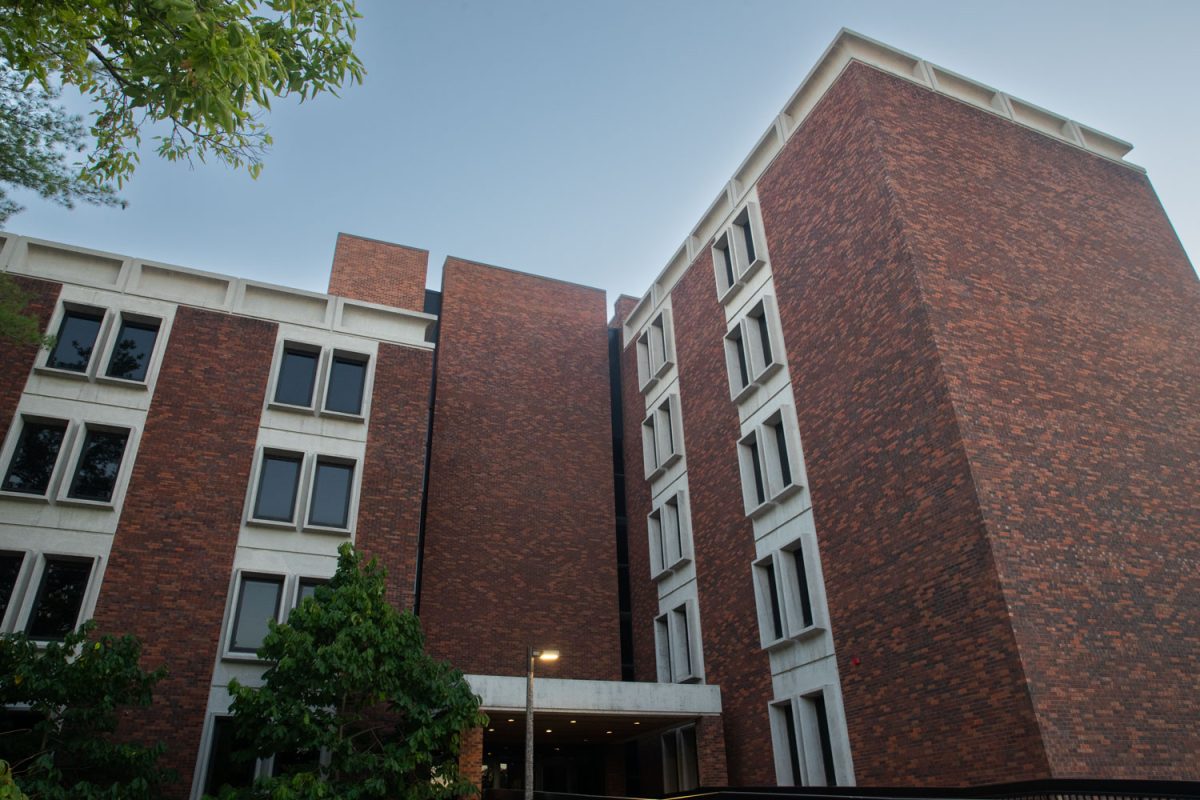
<point x="584" y="140"/>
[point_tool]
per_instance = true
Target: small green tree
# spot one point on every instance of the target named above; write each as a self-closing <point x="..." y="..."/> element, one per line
<point x="60" y="743"/>
<point x="16" y="326"/>
<point x="351" y="680"/>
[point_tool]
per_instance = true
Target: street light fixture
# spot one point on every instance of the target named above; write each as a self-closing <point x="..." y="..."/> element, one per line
<point x="533" y="656"/>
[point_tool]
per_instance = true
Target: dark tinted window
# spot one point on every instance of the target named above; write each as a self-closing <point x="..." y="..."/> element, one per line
<point x="10" y="567"/>
<point x="308" y="588"/>
<point x="818" y="703"/>
<point x="773" y="590"/>
<point x="297" y="375"/>
<point x="760" y="492"/>
<point x="222" y="769"/>
<point x="60" y="596"/>
<point x="131" y="354"/>
<point x="806" y="611"/>
<point x="258" y="603"/>
<point x="99" y="460"/>
<point x="75" y="340"/>
<point x="277" y="488"/>
<point x="785" y="462"/>
<point x="34" y="457"/>
<point x="789" y="720"/>
<point x="331" y="495"/>
<point x="345" y="393"/>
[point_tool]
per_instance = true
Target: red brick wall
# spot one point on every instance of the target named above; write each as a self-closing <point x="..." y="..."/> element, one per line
<point x="168" y="575"/>
<point x="1065" y="312"/>
<point x="520" y="532"/>
<point x="378" y="272"/>
<point x="16" y="360"/>
<point x="389" y="511"/>
<point x="933" y="686"/>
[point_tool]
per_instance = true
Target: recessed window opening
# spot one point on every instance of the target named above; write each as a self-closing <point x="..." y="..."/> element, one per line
<point x="768" y="569"/>
<point x="277" y="486"/>
<point x="739" y="344"/>
<point x="10" y="570"/>
<point x="789" y="721"/>
<point x="131" y="352"/>
<point x="759" y="315"/>
<point x="781" y="451"/>
<point x="34" y="458"/>
<point x="258" y="604"/>
<point x="59" y="598"/>
<point x="726" y="261"/>
<point x="331" y="494"/>
<point x="347" y="377"/>
<point x="744" y="230"/>
<point x="297" y="376"/>
<point x="760" y="489"/>
<point x="99" y="462"/>
<point x="76" y="339"/>
<point x="821" y="717"/>
<point x="806" y="608"/>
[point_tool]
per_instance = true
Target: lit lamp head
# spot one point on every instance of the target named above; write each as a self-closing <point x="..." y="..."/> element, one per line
<point x="546" y="655"/>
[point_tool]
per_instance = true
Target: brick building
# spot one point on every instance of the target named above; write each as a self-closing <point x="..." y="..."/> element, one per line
<point x="890" y="478"/>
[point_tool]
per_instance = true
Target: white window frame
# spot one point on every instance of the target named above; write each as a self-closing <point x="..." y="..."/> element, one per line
<point x="790" y="591"/>
<point x="98" y="349"/>
<point x="762" y="438"/>
<point x="281" y="609"/>
<point x="29" y="581"/>
<point x="106" y="342"/>
<point x="808" y="740"/>
<point x="748" y="334"/>
<point x="76" y="452"/>
<point x="669" y="552"/>
<point x="56" y="473"/>
<point x="302" y="502"/>
<point x="686" y="762"/>
<point x="156" y="355"/>
<point x="675" y="632"/>
<point x="321" y="379"/>
<point x="662" y="437"/>
<point x="731" y="240"/>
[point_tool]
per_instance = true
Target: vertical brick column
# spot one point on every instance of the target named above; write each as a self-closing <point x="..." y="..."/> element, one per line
<point x="379" y="272"/>
<point x="17" y="359"/>
<point x="710" y="751"/>
<point x="470" y="756"/>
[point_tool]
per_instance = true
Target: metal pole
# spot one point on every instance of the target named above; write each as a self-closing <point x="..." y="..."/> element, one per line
<point x="529" y="728"/>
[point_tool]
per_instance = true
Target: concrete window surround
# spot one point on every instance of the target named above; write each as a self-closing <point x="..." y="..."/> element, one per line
<point x="29" y="579"/>
<point x="753" y="347"/>
<point x="305" y="487"/>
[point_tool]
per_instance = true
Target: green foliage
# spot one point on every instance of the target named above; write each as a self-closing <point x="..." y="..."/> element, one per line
<point x="351" y="678"/>
<point x="206" y="69"/>
<point x="8" y="787"/>
<point x="63" y="745"/>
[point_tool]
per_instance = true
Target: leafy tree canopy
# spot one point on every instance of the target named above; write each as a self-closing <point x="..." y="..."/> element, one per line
<point x="205" y="69"/>
<point x="353" y="705"/>
<point x="59" y="741"/>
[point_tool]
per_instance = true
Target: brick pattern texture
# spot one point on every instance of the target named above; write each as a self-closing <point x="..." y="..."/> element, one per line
<point x="1065" y="312"/>
<point x="379" y="272"/>
<point x="710" y="751"/>
<point x="169" y="572"/>
<point x="933" y="686"/>
<point x="16" y="360"/>
<point x="519" y="545"/>
<point x="470" y="756"/>
<point x="389" y="511"/>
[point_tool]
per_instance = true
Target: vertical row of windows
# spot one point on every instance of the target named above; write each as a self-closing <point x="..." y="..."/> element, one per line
<point x="803" y="741"/>
<point x="81" y="331"/>
<point x="33" y="464"/>
<point x="769" y="459"/>
<point x="59" y="590"/>
<point x="676" y="642"/>
<point x="739" y="251"/>
<point x="662" y="437"/>
<point x="655" y="350"/>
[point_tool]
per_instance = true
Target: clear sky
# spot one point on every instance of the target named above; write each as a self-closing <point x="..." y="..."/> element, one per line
<point x="583" y="140"/>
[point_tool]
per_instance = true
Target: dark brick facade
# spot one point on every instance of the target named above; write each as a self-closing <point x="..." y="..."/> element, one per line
<point x="389" y="511"/>
<point x="379" y="272"/>
<point x="1065" y="314"/>
<point x="172" y="557"/>
<point x="519" y="545"/>
<point x="16" y="360"/>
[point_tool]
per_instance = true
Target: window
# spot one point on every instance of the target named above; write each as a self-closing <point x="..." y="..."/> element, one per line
<point x="324" y="486"/>
<point x="222" y="769"/>
<point x="330" y="506"/>
<point x="662" y="437"/>
<point x="59" y="598"/>
<point x="133" y="348"/>
<point x="278" y="483"/>
<point x="307" y="587"/>
<point x="753" y="349"/>
<point x="10" y="571"/>
<point x="770" y="464"/>
<point x="669" y="529"/>
<point x="76" y="338"/>
<point x="739" y="251"/>
<point x="783" y="582"/>
<point x="680" y="766"/>
<point x="99" y="462"/>
<point x="655" y="350"/>
<point x="258" y="603"/>
<point x="35" y="456"/>
<point x="305" y="372"/>
<point x="804" y="741"/>
<point x="677" y="646"/>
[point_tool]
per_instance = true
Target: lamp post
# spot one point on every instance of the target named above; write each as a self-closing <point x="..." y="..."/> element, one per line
<point x="532" y="656"/>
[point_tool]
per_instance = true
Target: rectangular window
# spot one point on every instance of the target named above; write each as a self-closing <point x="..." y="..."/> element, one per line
<point x="745" y="231"/>
<point x="723" y="266"/>
<point x="645" y="367"/>
<point x="10" y="570"/>
<point x="815" y="706"/>
<point x="658" y="546"/>
<point x="59" y="598"/>
<point x="130" y="356"/>
<point x="786" y="608"/>
<point x="680" y="764"/>
<point x="755" y="487"/>
<point x="804" y="740"/>
<point x="75" y="340"/>
<point x="278" y="483"/>
<point x="223" y="770"/>
<point x="781" y="453"/>
<point x="771" y="468"/>
<point x="794" y="755"/>
<point x="95" y="475"/>
<point x="347" y="377"/>
<point x="308" y="588"/>
<point x="752" y="346"/>
<point x="739" y="250"/>
<point x="735" y="356"/>
<point x="297" y="376"/>
<point x="662" y="643"/>
<point x="669" y="529"/>
<point x="661" y="437"/>
<point x="332" y="485"/>
<point x="807" y="618"/>
<point x="655" y="350"/>
<point x="257" y="604"/>
<point x="682" y="642"/>
<point x="34" y="457"/>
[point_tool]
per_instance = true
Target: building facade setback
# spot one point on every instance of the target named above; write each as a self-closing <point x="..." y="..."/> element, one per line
<point x="889" y="479"/>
